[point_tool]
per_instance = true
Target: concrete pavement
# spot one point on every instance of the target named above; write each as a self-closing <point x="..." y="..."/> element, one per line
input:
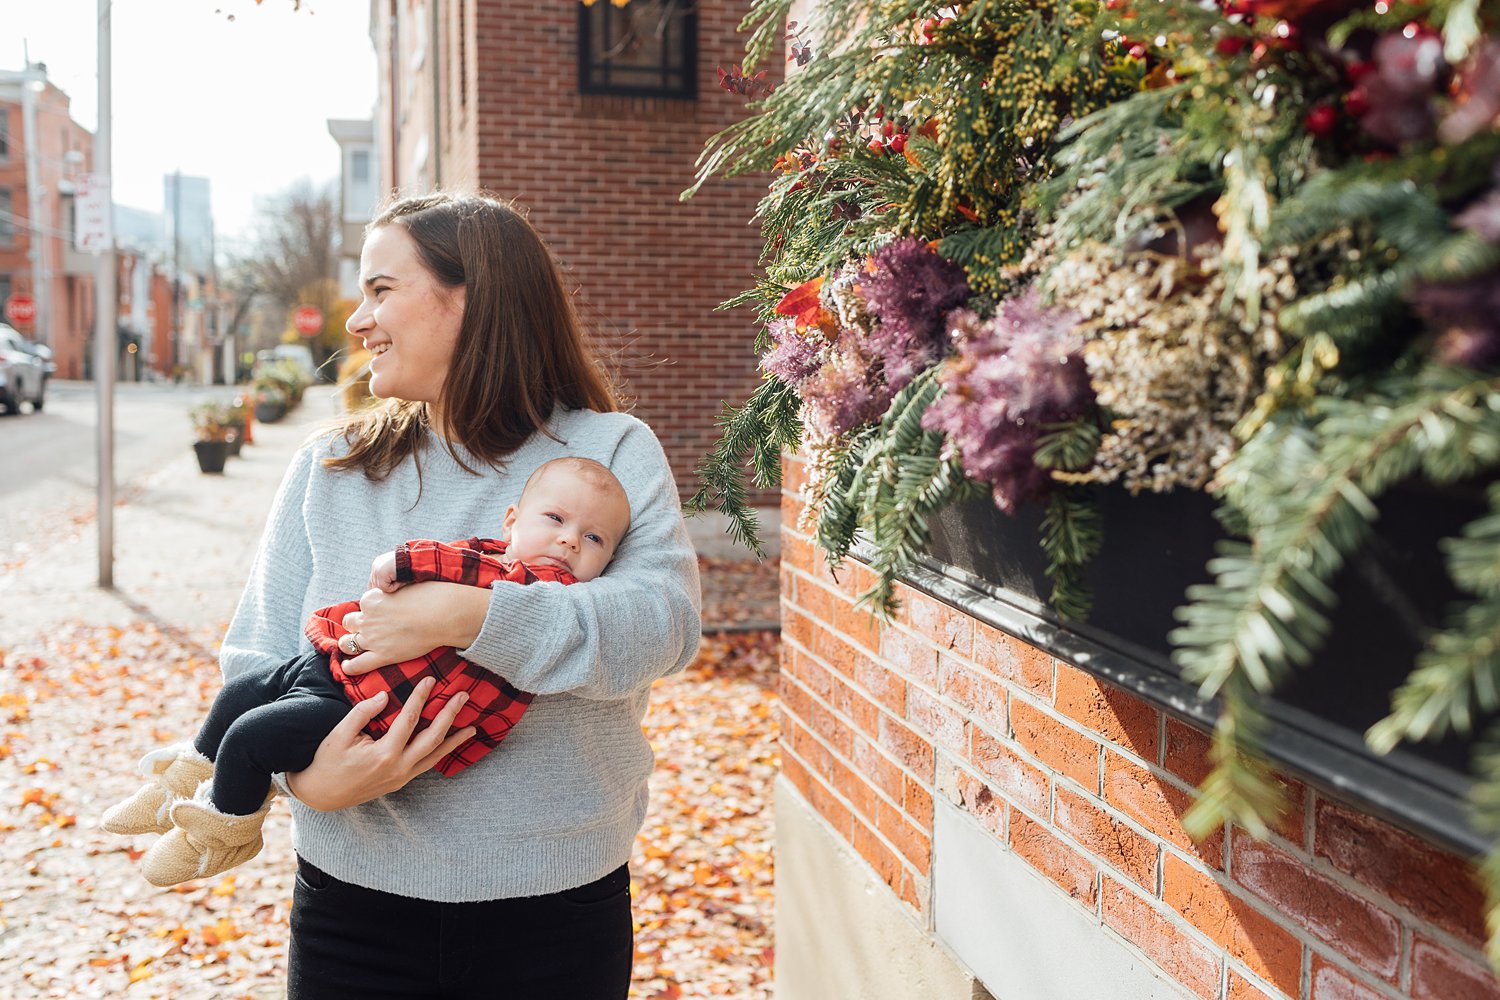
<point x="183" y="543"/>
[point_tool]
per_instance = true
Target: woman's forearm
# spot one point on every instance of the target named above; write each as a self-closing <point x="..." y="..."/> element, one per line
<point x="414" y="620"/>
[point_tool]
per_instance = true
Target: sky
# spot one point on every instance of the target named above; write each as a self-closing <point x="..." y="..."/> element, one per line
<point x="244" y="102"/>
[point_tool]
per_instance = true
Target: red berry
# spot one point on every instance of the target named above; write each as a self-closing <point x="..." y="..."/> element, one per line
<point x="1357" y="101"/>
<point x="1357" y="71"/>
<point x="898" y="142"/>
<point x="1137" y="51"/>
<point x="888" y="129"/>
<point x="876" y="146"/>
<point x="1113" y="4"/>
<point x="1231" y="45"/>
<point x="1321" y="120"/>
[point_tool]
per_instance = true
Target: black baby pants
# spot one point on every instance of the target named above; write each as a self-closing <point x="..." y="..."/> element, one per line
<point x="265" y="723"/>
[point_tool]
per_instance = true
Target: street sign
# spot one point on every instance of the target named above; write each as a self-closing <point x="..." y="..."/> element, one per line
<point x="20" y="309"/>
<point x="93" y="215"/>
<point x="308" y="320"/>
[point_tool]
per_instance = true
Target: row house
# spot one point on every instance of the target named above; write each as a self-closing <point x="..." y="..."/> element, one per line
<point x="166" y="309"/>
<point x="591" y="116"/>
<point x="42" y="153"/>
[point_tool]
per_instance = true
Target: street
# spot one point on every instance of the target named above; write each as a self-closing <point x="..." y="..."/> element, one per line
<point x="48" y="486"/>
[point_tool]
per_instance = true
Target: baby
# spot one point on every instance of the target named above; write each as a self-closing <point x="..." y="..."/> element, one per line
<point x="210" y="797"/>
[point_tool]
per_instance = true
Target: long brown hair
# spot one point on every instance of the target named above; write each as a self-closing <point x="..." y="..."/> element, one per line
<point x="521" y="351"/>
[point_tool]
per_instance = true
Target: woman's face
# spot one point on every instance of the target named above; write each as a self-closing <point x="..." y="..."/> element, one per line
<point x="407" y="319"/>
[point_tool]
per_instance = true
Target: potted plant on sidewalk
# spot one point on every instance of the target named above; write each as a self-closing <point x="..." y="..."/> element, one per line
<point x="214" y="427"/>
<point x="270" y="401"/>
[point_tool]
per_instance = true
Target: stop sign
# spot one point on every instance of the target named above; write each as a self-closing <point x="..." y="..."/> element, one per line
<point x="20" y="309"/>
<point x="308" y="320"/>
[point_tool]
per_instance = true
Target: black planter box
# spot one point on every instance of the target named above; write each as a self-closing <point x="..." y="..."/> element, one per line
<point x="1156" y="546"/>
<point x="211" y="455"/>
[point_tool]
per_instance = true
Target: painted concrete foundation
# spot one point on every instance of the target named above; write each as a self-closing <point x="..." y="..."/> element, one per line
<point x="841" y="934"/>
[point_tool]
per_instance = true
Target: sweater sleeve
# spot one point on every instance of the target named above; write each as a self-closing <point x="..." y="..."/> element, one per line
<point x="612" y="636"/>
<point x="267" y="628"/>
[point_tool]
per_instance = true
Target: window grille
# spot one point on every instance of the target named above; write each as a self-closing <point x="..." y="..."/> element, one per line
<point x="640" y="48"/>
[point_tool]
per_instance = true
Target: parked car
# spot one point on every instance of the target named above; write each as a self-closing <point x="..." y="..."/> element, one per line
<point x="298" y="354"/>
<point x="24" y="369"/>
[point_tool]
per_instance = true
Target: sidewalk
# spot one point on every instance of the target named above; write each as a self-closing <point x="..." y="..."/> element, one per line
<point x="182" y="545"/>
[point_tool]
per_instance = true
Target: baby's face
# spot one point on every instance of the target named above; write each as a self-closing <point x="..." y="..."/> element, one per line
<point x="566" y="521"/>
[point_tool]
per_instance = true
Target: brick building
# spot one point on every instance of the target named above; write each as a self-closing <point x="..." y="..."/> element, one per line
<point x="593" y="121"/>
<point x="42" y="151"/>
<point x="975" y="804"/>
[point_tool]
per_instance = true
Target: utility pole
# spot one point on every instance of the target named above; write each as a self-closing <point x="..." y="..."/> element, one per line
<point x="177" y="268"/>
<point x="33" y="82"/>
<point x="105" y="303"/>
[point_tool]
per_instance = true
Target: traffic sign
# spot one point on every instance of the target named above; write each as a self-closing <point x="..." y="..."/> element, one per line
<point x="20" y="309"/>
<point x="93" y="214"/>
<point x="308" y="320"/>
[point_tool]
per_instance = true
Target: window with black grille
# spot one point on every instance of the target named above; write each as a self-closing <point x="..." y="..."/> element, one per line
<point x="642" y="48"/>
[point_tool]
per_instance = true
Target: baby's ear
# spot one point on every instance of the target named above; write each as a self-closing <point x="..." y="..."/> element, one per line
<point x="509" y="522"/>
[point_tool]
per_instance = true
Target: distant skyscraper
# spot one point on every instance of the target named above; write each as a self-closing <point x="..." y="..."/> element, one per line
<point x="190" y="222"/>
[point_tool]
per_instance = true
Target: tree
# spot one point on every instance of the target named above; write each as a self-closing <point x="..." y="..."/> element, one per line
<point x="292" y="257"/>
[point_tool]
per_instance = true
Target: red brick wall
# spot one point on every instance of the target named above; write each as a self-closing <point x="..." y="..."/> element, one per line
<point x="69" y="299"/>
<point x="1087" y="785"/>
<point x="601" y="178"/>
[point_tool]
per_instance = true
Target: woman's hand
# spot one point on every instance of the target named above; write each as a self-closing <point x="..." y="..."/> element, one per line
<point x="350" y="767"/>
<point x="417" y="618"/>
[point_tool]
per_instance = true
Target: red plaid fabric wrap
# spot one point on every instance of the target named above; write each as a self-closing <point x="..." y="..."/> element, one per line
<point x="494" y="705"/>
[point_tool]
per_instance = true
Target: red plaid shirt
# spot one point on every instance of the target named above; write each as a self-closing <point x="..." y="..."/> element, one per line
<point x="494" y="705"/>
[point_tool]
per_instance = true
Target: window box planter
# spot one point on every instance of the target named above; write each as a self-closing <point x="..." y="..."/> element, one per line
<point x="1156" y="546"/>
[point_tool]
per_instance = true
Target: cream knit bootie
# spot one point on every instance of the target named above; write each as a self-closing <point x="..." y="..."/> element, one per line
<point x="203" y="841"/>
<point x="175" y="772"/>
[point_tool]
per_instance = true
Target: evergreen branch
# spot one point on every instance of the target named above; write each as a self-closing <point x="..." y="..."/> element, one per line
<point x="1069" y="447"/>
<point x="1459" y="670"/>
<point x="1267" y="609"/>
<point x="1240" y="789"/>
<point x="760" y="428"/>
<point x="1072" y="534"/>
<point x="765" y="22"/>
<point x="1485" y="811"/>
<point x="838" y="519"/>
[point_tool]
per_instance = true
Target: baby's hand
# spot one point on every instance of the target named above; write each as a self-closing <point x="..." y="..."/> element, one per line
<point x="383" y="574"/>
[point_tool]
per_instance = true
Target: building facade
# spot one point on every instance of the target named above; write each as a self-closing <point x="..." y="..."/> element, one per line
<point x="42" y="153"/>
<point x="359" y="193"/>
<point x="591" y="117"/>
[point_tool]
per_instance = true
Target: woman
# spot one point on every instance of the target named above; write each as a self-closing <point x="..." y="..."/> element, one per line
<point x="510" y="878"/>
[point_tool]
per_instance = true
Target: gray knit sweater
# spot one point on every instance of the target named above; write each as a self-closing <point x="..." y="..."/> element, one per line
<point x="559" y="803"/>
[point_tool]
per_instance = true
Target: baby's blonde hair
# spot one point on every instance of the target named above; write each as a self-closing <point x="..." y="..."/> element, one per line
<point x="597" y="473"/>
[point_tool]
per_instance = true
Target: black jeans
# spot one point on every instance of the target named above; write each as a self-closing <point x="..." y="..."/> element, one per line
<point x="363" y="944"/>
<point x="265" y="723"/>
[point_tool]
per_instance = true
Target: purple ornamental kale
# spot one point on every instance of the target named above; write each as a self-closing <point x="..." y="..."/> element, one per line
<point x="1408" y="74"/>
<point x="843" y="393"/>
<point x="1466" y="316"/>
<point x="910" y="292"/>
<point x="793" y="358"/>
<point x="1014" y="374"/>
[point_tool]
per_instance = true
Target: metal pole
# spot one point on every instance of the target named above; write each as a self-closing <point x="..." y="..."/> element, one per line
<point x="105" y="301"/>
<point x="32" y="81"/>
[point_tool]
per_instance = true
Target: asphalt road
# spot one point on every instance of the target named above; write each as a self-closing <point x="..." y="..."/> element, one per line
<point x="49" y="459"/>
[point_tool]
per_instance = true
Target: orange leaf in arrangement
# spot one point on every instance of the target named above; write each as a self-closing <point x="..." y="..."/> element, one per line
<point x="803" y="305"/>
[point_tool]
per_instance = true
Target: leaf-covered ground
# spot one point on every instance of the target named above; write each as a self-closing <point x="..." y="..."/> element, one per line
<point x="79" y="706"/>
